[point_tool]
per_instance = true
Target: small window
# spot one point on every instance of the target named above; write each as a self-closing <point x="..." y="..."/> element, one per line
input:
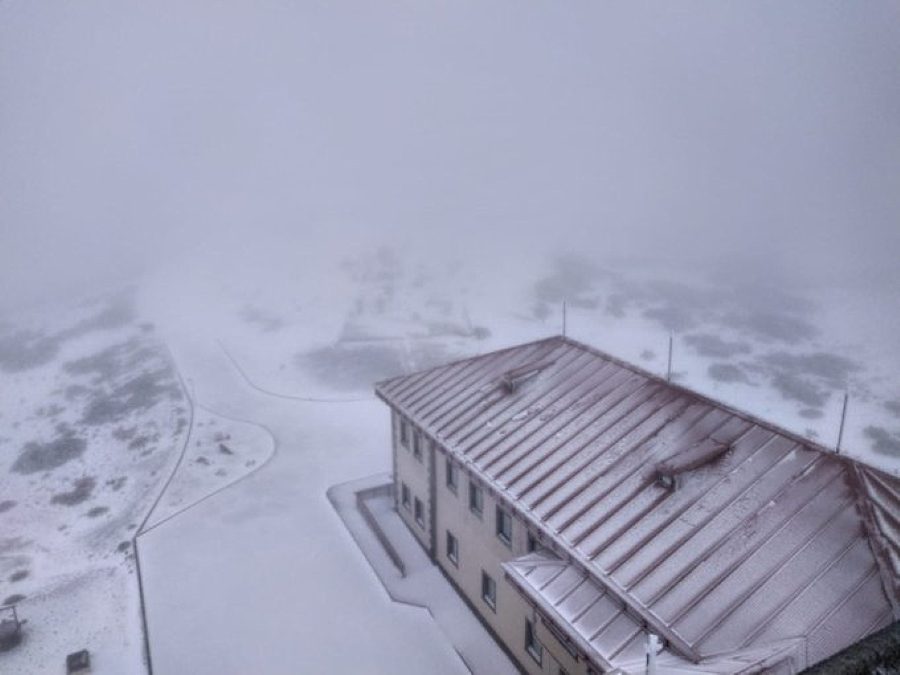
<point x="452" y="476"/>
<point x="534" y="543"/>
<point x="532" y="645"/>
<point x="452" y="548"/>
<point x="419" y="512"/>
<point x="404" y="433"/>
<point x="404" y="495"/>
<point x="476" y="499"/>
<point x="562" y="639"/>
<point x="488" y="590"/>
<point x="417" y="445"/>
<point x="504" y="526"/>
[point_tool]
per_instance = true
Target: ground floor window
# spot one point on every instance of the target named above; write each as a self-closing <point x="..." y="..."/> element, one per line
<point x="452" y="548"/>
<point x="488" y="589"/>
<point x="532" y="645"/>
<point x="404" y="495"/>
<point x="420" y="512"/>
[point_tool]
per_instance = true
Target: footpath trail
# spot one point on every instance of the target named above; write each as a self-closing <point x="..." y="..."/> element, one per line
<point x="262" y="576"/>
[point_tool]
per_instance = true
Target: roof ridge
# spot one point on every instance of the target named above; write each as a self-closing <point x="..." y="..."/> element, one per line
<point x="381" y="383"/>
<point x="874" y="536"/>
<point x="743" y="414"/>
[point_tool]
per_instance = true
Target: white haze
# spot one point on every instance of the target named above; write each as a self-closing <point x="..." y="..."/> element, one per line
<point x="134" y="132"/>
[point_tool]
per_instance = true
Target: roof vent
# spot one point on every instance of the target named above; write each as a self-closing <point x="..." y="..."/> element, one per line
<point x="513" y="379"/>
<point x="706" y="451"/>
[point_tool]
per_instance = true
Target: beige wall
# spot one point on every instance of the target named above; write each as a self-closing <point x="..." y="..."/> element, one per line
<point x="479" y="549"/>
<point x="414" y="473"/>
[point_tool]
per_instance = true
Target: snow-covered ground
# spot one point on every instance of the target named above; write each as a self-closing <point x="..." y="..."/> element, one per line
<point x="246" y="565"/>
<point x="263" y="577"/>
<point x="99" y="444"/>
<point x="93" y="420"/>
<point x="300" y="358"/>
<point x="769" y="346"/>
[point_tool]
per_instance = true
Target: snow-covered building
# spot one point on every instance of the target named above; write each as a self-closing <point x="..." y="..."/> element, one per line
<point x="581" y="506"/>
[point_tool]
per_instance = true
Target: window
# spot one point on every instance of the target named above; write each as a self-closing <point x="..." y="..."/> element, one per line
<point x="452" y="548"/>
<point x="535" y="543"/>
<point x="404" y="433"/>
<point x="419" y="512"/>
<point x="452" y="476"/>
<point x="532" y="646"/>
<point x="488" y="590"/>
<point x="561" y="638"/>
<point x="404" y="495"/>
<point x="504" y="526"/>
<point x="417" y="445"/>
<point x="476" y="499"/>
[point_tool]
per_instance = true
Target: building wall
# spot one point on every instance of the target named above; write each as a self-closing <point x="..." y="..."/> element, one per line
<point x="412" y="471"/>
<point x="482" y="550"/>
<point x="480" y="547"/>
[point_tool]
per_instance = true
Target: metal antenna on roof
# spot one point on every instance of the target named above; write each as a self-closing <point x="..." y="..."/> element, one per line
<point x="843" y="418"/>
<point x="564" y="318"/>
<point x="669" y="367"/>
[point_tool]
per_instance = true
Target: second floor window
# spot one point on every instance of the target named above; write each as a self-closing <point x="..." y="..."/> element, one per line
<point x="452" y="476"/>
<point x="476" y="499"/>
<point x="504" y="526"/>
<point x="417" y="446"/>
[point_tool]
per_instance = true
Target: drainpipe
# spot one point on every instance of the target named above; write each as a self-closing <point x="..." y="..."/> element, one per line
<point x="432" y="496"/>
<point x="652" y="650"/>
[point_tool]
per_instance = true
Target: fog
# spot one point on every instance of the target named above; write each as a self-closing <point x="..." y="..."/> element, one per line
<point x="251" y="211"/>
<point x="134" y="133"/>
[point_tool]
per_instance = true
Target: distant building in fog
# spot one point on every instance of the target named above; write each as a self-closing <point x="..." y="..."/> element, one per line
<point x="580" y="504"/>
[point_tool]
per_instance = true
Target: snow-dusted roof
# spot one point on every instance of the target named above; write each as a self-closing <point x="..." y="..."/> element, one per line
<point x="719" y="531"/>
<point x="599" y="625"/>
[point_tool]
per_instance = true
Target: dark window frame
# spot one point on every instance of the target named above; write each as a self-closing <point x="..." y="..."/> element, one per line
<point x="419" y="512"/>
<point x="405" y="496"/>
<point x="532" y="645"/>
<point x="476" y="498"/>
<point x="489" y="590"/>
<point x="452" y="476"/>
<point x="504" y="525"/>
<point x="452" y="544"/>
<point x="404" y="433"/>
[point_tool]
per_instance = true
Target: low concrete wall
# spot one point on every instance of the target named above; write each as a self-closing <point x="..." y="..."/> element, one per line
<point x="372" y="522"/>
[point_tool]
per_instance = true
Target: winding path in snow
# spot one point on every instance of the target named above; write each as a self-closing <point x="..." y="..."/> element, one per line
<point x="262" y="576"/>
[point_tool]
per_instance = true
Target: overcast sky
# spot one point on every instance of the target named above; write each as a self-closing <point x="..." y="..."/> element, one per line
<point x="130" y="130"/>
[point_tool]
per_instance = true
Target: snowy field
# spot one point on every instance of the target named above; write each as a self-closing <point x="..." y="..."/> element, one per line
<point x="93" y="420"/>
<point x="221" y="467"/>
<point x="300" y="199"/>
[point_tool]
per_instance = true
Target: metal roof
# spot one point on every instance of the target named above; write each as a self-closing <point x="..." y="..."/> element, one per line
<point x="771" y="538"/>
<point x="599" y="625"/>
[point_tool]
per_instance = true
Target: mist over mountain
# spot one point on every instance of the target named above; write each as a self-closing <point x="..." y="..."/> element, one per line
<point x="134" y="134"/>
